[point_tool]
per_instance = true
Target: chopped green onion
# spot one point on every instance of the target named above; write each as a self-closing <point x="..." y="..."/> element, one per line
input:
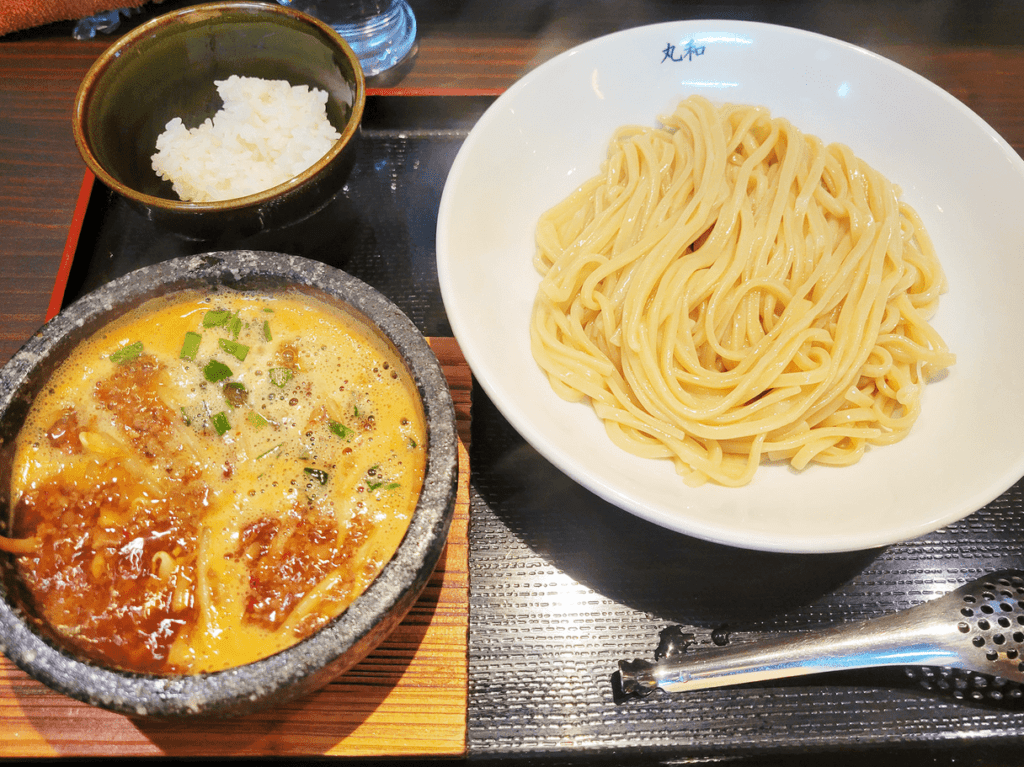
<point x="280" y="376"/>
<point x="127" y="353"/>
<point x="341" y="430"/>
<point x="220" y="422"/>
<point x="265" y="453"/>
<point x="184" y="416"/>
<point x="235" y="326"/>
<point x="215" y="318"/>
<point x="319" y="475"/>
<point x="257" y="420"/>
<point x="234" y="348"/>
<point x="216" y="371"/>
<point x="267" y="336"/>
<point x="386" y="485"/>
<point x="190" y="346"/>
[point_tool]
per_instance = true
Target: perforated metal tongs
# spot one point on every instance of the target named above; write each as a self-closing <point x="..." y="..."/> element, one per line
<point x="977" y="629"/>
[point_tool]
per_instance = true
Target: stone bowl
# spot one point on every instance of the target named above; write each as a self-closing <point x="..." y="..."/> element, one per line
<point x="337" y="646"/>
<point x="166" y="68"/>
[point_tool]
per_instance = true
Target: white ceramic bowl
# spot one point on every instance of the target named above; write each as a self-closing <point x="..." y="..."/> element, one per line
<point x="548" y="133"/>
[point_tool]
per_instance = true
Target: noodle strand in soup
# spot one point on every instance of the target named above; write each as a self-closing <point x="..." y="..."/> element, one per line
<point x="729" y="289"/>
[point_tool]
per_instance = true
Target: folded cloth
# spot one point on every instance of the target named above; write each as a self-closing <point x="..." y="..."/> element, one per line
<point x="25" y="14"/>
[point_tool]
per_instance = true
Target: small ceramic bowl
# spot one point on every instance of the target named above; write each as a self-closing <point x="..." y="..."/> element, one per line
<point x="342" y="642"/>
<point x="166" y="68"/>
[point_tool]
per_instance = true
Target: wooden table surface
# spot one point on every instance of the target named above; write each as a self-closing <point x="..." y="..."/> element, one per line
<point x="973" y="50"/>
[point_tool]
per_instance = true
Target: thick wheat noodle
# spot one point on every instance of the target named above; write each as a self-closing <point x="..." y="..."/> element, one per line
<point x="19" y="545"/>
<point x="729" y="289"/>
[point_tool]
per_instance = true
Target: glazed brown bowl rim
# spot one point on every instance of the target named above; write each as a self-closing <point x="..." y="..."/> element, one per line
<point x="242" y="8"/>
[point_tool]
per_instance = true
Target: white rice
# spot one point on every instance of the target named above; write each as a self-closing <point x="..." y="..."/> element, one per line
<point x="267" y="132"/>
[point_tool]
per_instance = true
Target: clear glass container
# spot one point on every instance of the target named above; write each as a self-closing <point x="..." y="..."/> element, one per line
<point x="382" y="33"/>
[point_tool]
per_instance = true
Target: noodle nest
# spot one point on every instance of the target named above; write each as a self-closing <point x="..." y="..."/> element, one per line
<point x="730" y="290"/>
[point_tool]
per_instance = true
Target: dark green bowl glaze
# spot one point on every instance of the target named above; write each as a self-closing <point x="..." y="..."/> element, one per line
<point x="166" y="68"/>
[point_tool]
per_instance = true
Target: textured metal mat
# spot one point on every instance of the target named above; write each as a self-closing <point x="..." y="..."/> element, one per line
<point x="564" y="585"/>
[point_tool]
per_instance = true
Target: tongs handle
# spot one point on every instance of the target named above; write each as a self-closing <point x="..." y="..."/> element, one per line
<point x="893" y="640"/>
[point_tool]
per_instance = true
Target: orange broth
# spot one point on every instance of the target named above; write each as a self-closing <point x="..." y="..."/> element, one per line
<point x="212" y="478"/>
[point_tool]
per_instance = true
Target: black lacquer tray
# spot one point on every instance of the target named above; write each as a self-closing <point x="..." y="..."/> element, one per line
<point x="563" y="585"/>
<point x="379" y="228"/>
